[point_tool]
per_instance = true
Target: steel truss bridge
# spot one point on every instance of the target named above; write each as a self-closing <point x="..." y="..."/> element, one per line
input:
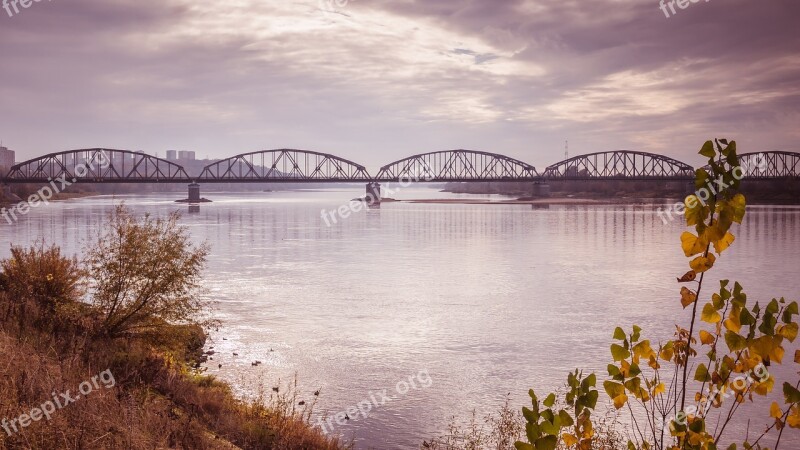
<point x="99" y="165"/>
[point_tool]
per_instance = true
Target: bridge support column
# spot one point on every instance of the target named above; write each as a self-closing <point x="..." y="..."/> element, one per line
<point x="373" y="193"/>
<point x="194" y="193"/>
<point x="540" y="190"/>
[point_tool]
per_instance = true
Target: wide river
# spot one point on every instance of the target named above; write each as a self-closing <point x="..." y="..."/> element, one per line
<point x="473" y="302"/>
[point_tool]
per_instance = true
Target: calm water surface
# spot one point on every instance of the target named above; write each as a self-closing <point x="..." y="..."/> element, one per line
<point x="490" y="300"/>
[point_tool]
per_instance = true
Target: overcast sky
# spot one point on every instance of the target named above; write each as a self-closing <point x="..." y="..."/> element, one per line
<point x="378" y="80"/>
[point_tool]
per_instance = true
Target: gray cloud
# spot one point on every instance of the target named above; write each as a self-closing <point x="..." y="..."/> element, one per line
<point x="385" y="79"/>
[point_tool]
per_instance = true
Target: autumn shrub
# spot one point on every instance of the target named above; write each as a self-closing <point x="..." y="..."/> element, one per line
<point x="683" y="393"/>
<point x="145" y="276"/>
<point x="41" y="284"/>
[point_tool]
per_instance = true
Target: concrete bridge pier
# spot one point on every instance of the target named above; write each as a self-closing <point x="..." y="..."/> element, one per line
<point x="373" y="193"/>
<point x="194" y="196"/>
<point x="194" y="193"/>
<point x="540" y="190"/>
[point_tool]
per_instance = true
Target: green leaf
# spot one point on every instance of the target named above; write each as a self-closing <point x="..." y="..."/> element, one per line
<point x="613" y="389"/>
<point x="634" y="371"/>
<point x="636" y="333"/>
<point x="773" y="307"/>
<point x="619" y="334"/>
<point x="530" y="415"/>
<point x="588" y="382"/>
<point x="735" y="341"/>
<point x="523" y="446"/>
<point x="546" y="443"/>
<point x="615" y="372"/>
<point x="702" y="374"/>
<point x="549" y="428"/>
<point x="791" y="393"/>
<point x="566" y="419"/>
<point x="768" y="324"/>
<point x="745" y="318"/>
<point x="591" y="399"/>
<point x="708" y="150"/>
<point x="550" y="400"/>
<point x="619" y="352"/>
<point x="790" y="311"/>
<point x="532" y="431"/>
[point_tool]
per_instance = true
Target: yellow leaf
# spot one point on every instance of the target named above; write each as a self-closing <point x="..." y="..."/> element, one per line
<point x="722" y="244"/>
<point x="687" y="297"/>
<point x="643" y="350"/>
<point x="695" y="211"/>
<point x="692" y="245"/>
<point x="709" y="314"/>
<point x="794" y="418"/>
<point x="620" y="400"/>
<point x="789" y="331"/>
<point x="762" y="346"/>
<point x="706" y="337"/>
<point x="703" y="263"/>
<point x="764" y="387"/>
<point x="775" y="411"/>
<point x="738" y="203"/>
<point x="569" y="440"/>
<point x="797" y="356"/>
<point x="777" y="354"/>
<point x="659" y="389"/>
<point x="733" y="322"/>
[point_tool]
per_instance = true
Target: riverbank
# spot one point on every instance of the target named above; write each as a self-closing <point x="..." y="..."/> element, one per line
<point x="124" y="370"/>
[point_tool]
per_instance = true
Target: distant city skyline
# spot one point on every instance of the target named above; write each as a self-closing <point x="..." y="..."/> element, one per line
<point x="376" y="81"/>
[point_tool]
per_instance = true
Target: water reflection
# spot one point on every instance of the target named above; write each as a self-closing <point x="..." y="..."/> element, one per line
<point x="490" y="299"/>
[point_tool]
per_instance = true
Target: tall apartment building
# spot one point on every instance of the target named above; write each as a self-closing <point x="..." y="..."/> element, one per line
<point x="186" y="155"/>
<point x="6" y="160"/>
<point x="183" y="155"/>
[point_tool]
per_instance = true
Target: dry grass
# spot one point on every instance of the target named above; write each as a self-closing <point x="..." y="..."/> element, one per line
<point x="156" y="402"/>
<point x="50" y="344"/>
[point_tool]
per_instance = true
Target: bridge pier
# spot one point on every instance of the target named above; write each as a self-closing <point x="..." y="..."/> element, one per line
<point x="373" y="193"/>
<point x="194" y="193"/>
<point x="540" y="190"/>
